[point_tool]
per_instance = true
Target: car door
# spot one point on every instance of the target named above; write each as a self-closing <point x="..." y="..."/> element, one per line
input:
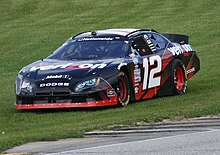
<point x="147" y="73"/>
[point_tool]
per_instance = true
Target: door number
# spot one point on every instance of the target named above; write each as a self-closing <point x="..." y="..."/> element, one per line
<point x="150" y="80"/>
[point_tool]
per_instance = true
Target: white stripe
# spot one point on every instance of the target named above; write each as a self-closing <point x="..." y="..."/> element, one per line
<point x="125" y="143"/>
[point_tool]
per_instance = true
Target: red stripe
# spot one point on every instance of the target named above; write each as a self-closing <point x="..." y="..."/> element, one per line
<point x="111" y="102"/>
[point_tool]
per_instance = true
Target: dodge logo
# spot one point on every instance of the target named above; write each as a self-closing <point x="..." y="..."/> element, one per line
<point x="54" y="84"/>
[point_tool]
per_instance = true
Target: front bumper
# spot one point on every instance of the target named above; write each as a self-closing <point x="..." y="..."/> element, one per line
<point x="101" y="99"/>
<point x="63" y="98"/>
<point x="110" y="102"/>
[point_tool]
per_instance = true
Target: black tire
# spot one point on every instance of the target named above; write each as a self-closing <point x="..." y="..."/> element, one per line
<point x="178" y="77"/>
<point x="122" y="89"/>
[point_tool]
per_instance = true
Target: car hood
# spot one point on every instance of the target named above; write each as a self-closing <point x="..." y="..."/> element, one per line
<point x="78" y="70"/>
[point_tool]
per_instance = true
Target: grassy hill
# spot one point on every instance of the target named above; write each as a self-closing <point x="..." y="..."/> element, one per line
<point x="32" y="29"/>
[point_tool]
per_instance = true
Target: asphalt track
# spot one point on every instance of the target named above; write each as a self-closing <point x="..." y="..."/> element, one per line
<point x="194" y="136"/>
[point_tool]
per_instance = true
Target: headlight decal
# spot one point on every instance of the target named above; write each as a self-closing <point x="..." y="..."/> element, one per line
<point x="93" y="85"/>
<point x="86" y="84"/>
<point x="24" y="86"/>
<point x="27" y="86"/>
<point x="18" y="84"/>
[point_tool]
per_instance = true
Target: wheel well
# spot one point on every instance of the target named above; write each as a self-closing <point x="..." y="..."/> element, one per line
<point x="125" y="70"/>
<point x="176" y="58"/>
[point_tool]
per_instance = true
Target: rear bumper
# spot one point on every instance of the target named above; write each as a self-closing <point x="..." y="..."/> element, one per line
<point x="112" y="101"/>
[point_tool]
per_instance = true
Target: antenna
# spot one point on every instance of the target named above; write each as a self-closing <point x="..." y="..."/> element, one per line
<point x="93" y="33"/>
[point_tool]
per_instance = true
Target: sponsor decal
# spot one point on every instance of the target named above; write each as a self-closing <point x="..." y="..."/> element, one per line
<point x="49" y="67"/>
<point x="190" y="70"/>
<point x="85" y="66"/>
<point x="136" y="90"/>
<point x="149" y="42"/>
<point x="110" y="93"/>
<point x="68" y="66"/>
<point x="137" y="75"/>
<point x="137" y="84"/>
<point x="187" y="47"/>
<point x="54" y="84"/>
<point x="137" y="78"/>
<point x="177" y="50"/>
<point x="96" y="39"/>
<point x="57" y="77"/>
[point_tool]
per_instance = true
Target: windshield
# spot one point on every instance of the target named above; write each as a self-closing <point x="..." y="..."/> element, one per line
<point x="91" y="48"/>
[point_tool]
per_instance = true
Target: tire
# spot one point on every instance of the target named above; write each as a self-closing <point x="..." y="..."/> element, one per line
<point x="123" y="90"/>
<point x="179" y="78"/>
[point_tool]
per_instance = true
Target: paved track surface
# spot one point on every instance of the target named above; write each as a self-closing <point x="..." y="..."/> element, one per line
<point x="193" y="136"/>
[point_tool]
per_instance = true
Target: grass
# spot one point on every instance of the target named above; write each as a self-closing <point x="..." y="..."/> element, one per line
<point x="32" y="29"/>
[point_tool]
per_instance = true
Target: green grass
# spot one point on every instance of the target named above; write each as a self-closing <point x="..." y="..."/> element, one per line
<point x="32" y="29"/>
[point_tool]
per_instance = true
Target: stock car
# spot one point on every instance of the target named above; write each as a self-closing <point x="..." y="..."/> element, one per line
<point x="106" y="68"/>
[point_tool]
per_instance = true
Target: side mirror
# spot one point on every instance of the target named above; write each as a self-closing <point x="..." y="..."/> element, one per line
<point x="135" y="46"/>
<point x="132" y="55"/>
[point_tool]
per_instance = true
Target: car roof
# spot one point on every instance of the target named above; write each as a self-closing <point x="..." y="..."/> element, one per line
<point x="109" y="33"/>
<point x="123" y="32"/>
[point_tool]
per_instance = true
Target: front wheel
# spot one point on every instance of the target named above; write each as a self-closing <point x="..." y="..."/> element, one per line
<point x="123" y="89"/>
<point x="179" y="77"/>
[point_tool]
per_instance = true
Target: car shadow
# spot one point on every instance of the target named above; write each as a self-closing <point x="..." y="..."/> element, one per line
<point x="88" y="109"/>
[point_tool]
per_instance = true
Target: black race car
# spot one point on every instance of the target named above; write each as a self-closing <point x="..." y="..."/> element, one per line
<point x="108" y="67"/>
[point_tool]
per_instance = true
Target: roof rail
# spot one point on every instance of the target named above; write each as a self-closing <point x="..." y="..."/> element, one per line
<point x="80" y="33"/>
<point x="152" y="30"/>
<point x="139" y="30"/>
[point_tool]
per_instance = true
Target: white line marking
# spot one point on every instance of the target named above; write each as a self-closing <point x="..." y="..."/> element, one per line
<point x="125" y="143"/>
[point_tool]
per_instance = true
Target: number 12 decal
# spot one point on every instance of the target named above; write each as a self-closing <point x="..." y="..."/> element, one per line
<point x="153" y="81"/>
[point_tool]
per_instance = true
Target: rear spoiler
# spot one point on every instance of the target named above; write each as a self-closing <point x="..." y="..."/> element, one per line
<point x="177" y="38"/>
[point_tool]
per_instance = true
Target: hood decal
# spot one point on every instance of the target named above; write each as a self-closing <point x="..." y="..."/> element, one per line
<point x="49" y="66"/>
<point x="120" y="65"/>
<point x="68" y="66"/>
<point x="85" y="66"/>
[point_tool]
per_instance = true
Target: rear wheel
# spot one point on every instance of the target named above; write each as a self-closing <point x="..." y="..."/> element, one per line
<point x="178" y="77"/>
<point x="123" y="89"/>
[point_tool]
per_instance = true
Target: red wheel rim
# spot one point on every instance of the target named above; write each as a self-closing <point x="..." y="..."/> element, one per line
<point x="179" y="78"/>
<point x="122" y="91"/>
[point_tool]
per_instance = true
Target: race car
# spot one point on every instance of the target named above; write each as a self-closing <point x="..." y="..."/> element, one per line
<point x="106" y="68"/>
